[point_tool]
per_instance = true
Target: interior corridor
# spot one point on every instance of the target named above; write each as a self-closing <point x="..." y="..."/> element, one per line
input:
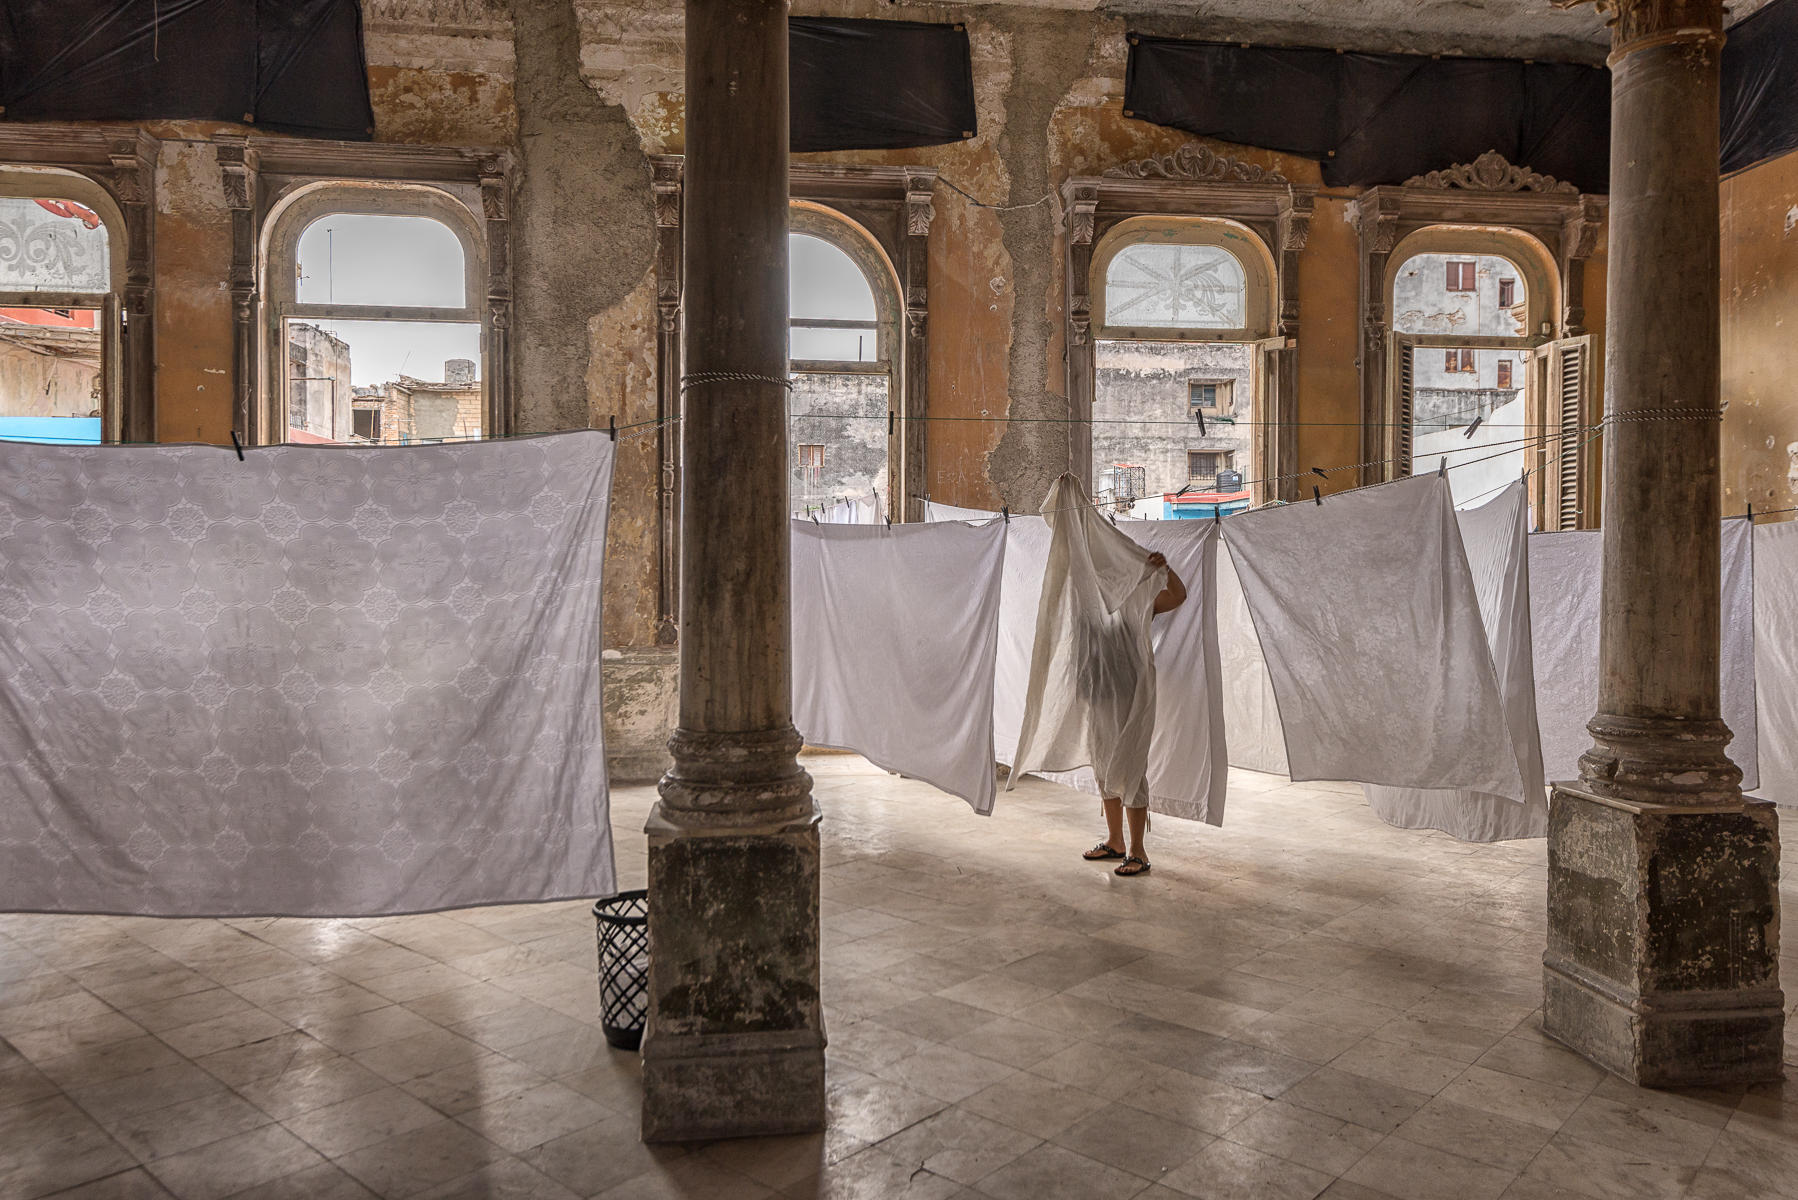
<point x="1303" y="1003"/>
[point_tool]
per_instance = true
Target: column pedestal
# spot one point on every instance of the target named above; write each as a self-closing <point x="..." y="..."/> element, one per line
<point x="1662" y="963"/>
<point x="736" y="1047"/>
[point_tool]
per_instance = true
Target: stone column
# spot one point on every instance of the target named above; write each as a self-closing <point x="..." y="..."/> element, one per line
<point x="1662" y="959"/>
<point x="735" y="1040"/>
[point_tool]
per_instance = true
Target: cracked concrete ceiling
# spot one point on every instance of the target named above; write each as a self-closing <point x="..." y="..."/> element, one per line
<point x="1508" y="28"/>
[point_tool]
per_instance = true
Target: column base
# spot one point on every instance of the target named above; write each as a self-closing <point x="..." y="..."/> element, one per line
<point x="698" y="1088"/>
<point x="1662" y="962"/>
<point x="734" y="1044"/>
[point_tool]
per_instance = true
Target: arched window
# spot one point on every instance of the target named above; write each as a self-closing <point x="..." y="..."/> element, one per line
<point x="1478" y="384"/>
<point x="375" y="332"/>
<point x="59" y="280"/>
<point x="843" y="301"/>
<point x="1180" y="304"/>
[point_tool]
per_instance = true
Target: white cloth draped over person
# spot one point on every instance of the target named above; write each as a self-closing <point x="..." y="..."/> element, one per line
<point x="1091" y="700"/>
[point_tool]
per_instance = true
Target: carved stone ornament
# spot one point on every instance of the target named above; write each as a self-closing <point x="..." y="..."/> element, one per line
<point x="1082" y="206"/>
<point x="1490" y="172"/>
<point x="1636" y="24"/>
<point x="1197" y="162"/>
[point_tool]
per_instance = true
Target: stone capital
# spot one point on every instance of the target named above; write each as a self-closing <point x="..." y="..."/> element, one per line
<point x="1644" y="24"/>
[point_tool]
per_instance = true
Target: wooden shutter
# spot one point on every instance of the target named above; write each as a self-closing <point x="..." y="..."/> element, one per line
<point x="1406" y="363"/>
<point x="1566" y="455"/>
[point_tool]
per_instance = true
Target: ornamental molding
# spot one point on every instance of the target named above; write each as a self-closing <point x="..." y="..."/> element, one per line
<point x="1639" y="24"/>
<point x="1490" y="172"/>
<point x="1198" y="162"/>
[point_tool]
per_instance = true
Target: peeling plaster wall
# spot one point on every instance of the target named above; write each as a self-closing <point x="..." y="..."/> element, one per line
<point x="193" y="297"/>
<point x="1760" y="323"/>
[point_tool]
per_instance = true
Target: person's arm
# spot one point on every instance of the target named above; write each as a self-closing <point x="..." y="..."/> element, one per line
<point x="1174" y="594"/>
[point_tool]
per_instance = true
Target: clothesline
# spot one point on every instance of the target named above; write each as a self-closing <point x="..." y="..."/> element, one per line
<point x="625" y="433"/>
<point x="895" y="417"/>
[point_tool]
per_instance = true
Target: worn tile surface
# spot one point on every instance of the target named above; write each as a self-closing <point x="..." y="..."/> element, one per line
<point x="1302" y="1004"/>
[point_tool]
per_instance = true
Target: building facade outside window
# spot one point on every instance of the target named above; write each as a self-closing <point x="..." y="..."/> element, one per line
<point x="57" y="310"/>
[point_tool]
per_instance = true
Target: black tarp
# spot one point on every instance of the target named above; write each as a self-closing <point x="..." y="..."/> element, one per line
<point x="878" y="85"/>
<point x="1378" y="118"/>
<point x="292" y="65"/>
<point x="1760" y="86"/>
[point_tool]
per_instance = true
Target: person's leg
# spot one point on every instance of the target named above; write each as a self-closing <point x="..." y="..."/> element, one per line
<point x="1139" y="821"/>
<point x="1113" y="845"/>
<point x="1136" y="862"/>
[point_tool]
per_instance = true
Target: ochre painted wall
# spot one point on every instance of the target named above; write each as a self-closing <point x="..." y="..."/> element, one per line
<point x="1760" y="337"/>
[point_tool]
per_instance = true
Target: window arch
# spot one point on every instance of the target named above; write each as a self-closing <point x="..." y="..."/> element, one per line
<point x="1180" y="305"/>
<point x="374" y="325"/>
<point x="843" y="314"/>
<point x="1481" y="382"/>
<point x="62" y="272"/>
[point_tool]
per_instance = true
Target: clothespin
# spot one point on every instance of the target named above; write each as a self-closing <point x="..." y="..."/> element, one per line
<point x="892" y="418"/>
<point x="612" y="427"/>
<point x="1317" y="496"/>
<point x="1200" y="414"/>
<point x="1474" y="426"/>
<point x="1751" y="514"/>
<point x="1442" y="468"/>
<point x="1005" y="511"/>
<point x="1320" y="472"/>
<point x="237" y="445"/>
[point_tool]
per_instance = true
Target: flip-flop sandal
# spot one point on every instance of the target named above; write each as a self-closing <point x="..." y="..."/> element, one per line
<point x="1124" y="868"/>
<point x="1102" y="852"/>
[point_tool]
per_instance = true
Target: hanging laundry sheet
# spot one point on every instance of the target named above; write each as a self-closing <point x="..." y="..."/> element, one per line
<point x="1368" y="616"/>
<point x="1251" y="714"/>
<point x="895" y="632"/>
<point x="314" y="682"/>
<point x="1566" y="575"/>
<point x="1776" y="659"/>
<point x="1188" y="773"/>
<point x="865" y="509"/>
<point x="1496" y="538"/>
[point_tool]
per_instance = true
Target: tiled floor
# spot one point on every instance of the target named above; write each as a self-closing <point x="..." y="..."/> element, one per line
<point x="1302" y="1003"/>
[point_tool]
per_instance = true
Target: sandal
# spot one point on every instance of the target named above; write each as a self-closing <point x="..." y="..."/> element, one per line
<point x="1127" y="870"/>
<point x="1101" y="852"/>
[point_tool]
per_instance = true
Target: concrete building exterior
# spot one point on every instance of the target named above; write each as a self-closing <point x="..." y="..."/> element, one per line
<point x="1461" y="296"/>
<point x="319" y="389"/>
<point x="837" y="437"/>
<point x="405" y="410"/>
<point x="1148" y="397"/>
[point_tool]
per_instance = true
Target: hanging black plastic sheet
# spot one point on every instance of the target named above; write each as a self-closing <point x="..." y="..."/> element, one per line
<point x="878" y="85"/>
<point x="291" y="65"/>
<point x="1378" y="118"/>
<point x="1760" y="87"/>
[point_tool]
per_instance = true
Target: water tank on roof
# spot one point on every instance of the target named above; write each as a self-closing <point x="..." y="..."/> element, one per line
<point x="1229" y="481"/>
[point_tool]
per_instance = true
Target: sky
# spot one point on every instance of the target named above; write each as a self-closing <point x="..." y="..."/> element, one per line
<point x="412" y="261"/>
<point x="416" y="261"/>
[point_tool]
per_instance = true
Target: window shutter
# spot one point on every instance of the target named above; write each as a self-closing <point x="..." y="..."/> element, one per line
<point x="1452" y="361"/>
<point x="1570" y="397"/>
<point x="1407" y="355"/>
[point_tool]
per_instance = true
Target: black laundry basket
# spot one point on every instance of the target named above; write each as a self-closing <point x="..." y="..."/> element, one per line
<point x="623" y="924"/>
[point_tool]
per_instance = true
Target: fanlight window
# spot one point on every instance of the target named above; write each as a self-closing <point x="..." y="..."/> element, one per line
<point x="1162" y="286"/>
<point x="831" y="304"/>
<point x="380" y="260"/>
<point x="54" y="246"/>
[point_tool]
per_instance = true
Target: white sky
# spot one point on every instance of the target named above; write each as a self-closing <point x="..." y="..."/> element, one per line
<point x="417" y="262"/>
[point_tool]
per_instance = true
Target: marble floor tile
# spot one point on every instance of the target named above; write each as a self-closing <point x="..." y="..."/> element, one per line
<point x="1303" y="1003"/>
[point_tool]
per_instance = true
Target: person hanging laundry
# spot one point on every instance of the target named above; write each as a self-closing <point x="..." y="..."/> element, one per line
<point x="1091" y="700"/>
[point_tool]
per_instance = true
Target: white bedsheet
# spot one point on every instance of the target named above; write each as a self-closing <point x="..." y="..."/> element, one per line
<point x="316" y="682"/>
<point x="1495" y="536"/>
<point x="1566" y="573"/>
<point x="894" y="637"/>
<point x="1776" y="658"/>
<point x="1370" y="623"/>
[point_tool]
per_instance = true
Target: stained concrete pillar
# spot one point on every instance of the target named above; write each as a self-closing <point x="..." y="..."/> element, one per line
<point x="1662" y="958"/>
<point x="735" y="1039"/>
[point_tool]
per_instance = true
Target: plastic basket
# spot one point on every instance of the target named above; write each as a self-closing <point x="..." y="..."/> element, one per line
<point x="623" y="927"/>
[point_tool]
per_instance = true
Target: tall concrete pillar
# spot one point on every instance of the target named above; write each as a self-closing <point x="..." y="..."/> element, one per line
<point x="735" y="1039"/>
<point x="1662" y="960"/>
